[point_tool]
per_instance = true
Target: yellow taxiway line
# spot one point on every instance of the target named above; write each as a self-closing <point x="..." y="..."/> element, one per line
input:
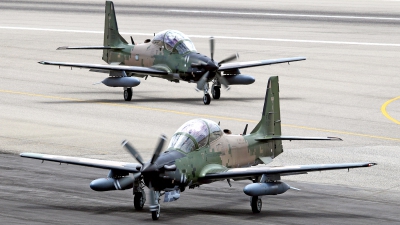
<point x="205" y="115"/>
<point x="383" y="109"/>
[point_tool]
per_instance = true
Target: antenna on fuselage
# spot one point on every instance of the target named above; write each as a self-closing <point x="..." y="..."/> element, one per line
<point x="245" y="129"/>
<point x="132" y="41"/>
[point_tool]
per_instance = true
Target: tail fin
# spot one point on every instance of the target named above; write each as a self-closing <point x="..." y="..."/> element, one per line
<point x="268" y="130"/>
<point x="270" y="123"/>
<point x="112" y="37"/>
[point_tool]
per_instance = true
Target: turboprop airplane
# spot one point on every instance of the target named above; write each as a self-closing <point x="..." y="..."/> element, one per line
<point x="200" y="152"/>
<point x="170" y="55"/>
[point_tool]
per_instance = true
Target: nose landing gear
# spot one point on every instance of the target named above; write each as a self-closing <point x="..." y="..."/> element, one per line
<point x="206" y="98"/>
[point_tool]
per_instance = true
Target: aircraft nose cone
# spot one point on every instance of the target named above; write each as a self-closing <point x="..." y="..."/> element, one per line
<point x="211" y="66"/>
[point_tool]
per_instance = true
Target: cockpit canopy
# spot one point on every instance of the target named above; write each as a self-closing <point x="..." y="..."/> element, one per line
<point x="195" y="134"/>
<point x="174" y="41"/>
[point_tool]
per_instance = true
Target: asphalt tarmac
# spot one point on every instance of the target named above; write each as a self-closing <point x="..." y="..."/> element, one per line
<point x="347" y="87"/>
<point x="48" y="193"/>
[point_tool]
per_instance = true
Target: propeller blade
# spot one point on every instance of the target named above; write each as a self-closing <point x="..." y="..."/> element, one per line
<point x="212" y="47"/>
<point x="160" y="145"/>
<point x="133" y="151"/>
<point x="230" y="58"/>
<point x="222" y="80"/>
<point x="136" y="175"/>
<point x="202" y="82"/>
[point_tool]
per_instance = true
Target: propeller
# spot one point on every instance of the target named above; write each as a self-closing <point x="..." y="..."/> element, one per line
<point x="136" y="155"/>
<point x="212" y="67"/>
<point x="154" y="205"/>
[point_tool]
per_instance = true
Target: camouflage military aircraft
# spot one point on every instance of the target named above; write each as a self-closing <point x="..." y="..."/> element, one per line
<point x="170" y="55"/>
<point x="200" y="153"/>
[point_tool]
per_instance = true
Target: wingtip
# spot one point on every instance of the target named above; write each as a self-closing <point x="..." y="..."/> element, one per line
<point x="123" y="143"/>
<point x="163" y="136"/>
<point x="335" y="138"/>
<point x="62" y="48"/>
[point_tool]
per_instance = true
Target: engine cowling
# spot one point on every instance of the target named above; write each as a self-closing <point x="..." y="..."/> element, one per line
<point x="110" y="184"/>
<point x="239" y="79"/>
<point x="121" y="81"/>
<point x="269" y="188"/>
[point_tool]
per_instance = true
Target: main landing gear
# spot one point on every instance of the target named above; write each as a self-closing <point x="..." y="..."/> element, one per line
<point x="139" y="195"/>
<point x="216" y="91"/>
<point x="256" y="204"/>
<point x="139" y="199"/>
<point x="128" y="94"/>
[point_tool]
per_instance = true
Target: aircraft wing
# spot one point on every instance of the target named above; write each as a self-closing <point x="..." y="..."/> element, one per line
<point x="96" y="163"/>
<point x="297" y="138"/>
<point x="251" y="172"/>
<point x="135" y="69"/>
<point x="239" y="65"/>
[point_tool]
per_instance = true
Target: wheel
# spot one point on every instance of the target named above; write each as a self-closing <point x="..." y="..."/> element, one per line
<point x="128" y="94"/>
<point x="206" y="99"/>
<point x="139" y="200"/>
<point x="216" y="92"/>
<point x="155" y="215"/>
<point x="256" y="204"/>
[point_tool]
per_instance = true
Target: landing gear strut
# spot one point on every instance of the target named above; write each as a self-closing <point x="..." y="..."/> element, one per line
<point x="256" y="204"/>
<point x="128" y="94"/>
<point x="155" y="206"/>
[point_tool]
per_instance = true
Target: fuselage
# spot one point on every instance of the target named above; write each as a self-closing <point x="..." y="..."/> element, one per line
<point x="218" y="151"/>
<point x="178" y="60"/>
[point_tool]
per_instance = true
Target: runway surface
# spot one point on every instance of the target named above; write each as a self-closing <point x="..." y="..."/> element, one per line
<point x="347" y="87"/>
<point x="35" y="193"/>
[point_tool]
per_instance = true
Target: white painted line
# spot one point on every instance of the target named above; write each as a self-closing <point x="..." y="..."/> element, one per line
<point x="219" y="37"/>
<point x="287" y="15"/>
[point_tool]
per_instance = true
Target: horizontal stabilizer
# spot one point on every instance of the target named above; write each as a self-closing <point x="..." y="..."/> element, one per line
<point x="297" y="138"/>
<point x="89" y="47"/>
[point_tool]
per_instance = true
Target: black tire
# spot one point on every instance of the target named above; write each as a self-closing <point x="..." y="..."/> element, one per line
<point x="216" y="92"/>
<point x="128" y="94"/>
<point x="256" y="204"/>
<point x="155" y="215"/>
<point x="138" y="200"/>
<point x="206" y="99"/>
